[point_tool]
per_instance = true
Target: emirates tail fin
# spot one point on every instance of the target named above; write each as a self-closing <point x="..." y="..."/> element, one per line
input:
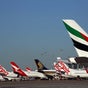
<point x="78" y="36"/>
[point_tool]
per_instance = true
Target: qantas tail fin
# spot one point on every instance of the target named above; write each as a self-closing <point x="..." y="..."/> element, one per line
<point x="14" y="66"/>
<point x="78" y="36"/>
<point x="17" y="69"/>
<point x="3" y="71"/>
<point x="28" y="69"/>
<point x="39" y="65"/>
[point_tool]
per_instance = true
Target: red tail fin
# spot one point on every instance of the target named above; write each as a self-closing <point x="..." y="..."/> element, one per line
<point x="61" y="63"/>
<point x="59" y="66"/>
<point x="3" y="71"/>
<point x="17" y="69"/>
<point x="28" y="69"/>
<point x="14" y="66"/>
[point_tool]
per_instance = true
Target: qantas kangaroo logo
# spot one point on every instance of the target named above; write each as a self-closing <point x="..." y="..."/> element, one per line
<point x="15" y="67"/>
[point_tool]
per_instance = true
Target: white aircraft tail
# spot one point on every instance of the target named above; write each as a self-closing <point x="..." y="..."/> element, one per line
<point x="78" y="36"/>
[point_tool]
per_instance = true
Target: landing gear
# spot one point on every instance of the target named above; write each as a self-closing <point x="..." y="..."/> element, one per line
<point x="79" y="78"/>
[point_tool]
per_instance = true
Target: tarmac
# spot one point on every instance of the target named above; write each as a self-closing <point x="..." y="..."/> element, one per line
<point x="46" y="84"/>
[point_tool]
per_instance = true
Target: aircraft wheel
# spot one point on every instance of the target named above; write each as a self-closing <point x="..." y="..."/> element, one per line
<point x="78" y="77"/>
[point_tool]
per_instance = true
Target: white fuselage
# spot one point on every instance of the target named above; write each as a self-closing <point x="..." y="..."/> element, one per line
<point x="11" y="76"/>
<point x="34" y="74"/>
<point x="78" y="73"/>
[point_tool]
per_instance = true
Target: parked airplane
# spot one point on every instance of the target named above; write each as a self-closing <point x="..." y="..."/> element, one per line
<point x="80" y="40"/>
<point x="50" y="73"/>
<point x="8" y="75"/>
<point x="70" y="70"/>
<point x="27" y="74"/>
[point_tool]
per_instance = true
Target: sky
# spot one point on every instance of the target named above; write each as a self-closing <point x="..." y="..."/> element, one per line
<point x="33" y="29"/>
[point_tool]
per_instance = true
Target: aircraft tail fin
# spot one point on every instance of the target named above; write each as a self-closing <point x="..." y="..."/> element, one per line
<point x="14" y="66"/>
<point x="28" y="69"/>
<point x="3" y="71"/>
<point x="40" y="65"/>
<point x="61" y="66"/>
<point x="17" y="69"/>
<point x="56" y="67"/>
<point x="78" y="36"/>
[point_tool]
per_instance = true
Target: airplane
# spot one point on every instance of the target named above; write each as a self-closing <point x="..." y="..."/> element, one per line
<point x="80" y="41"/>
<point x="26" y="74"/>
<point x="70" y="70"/>
<point x="50" y="73"/>
<point x="6" y="75"/>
